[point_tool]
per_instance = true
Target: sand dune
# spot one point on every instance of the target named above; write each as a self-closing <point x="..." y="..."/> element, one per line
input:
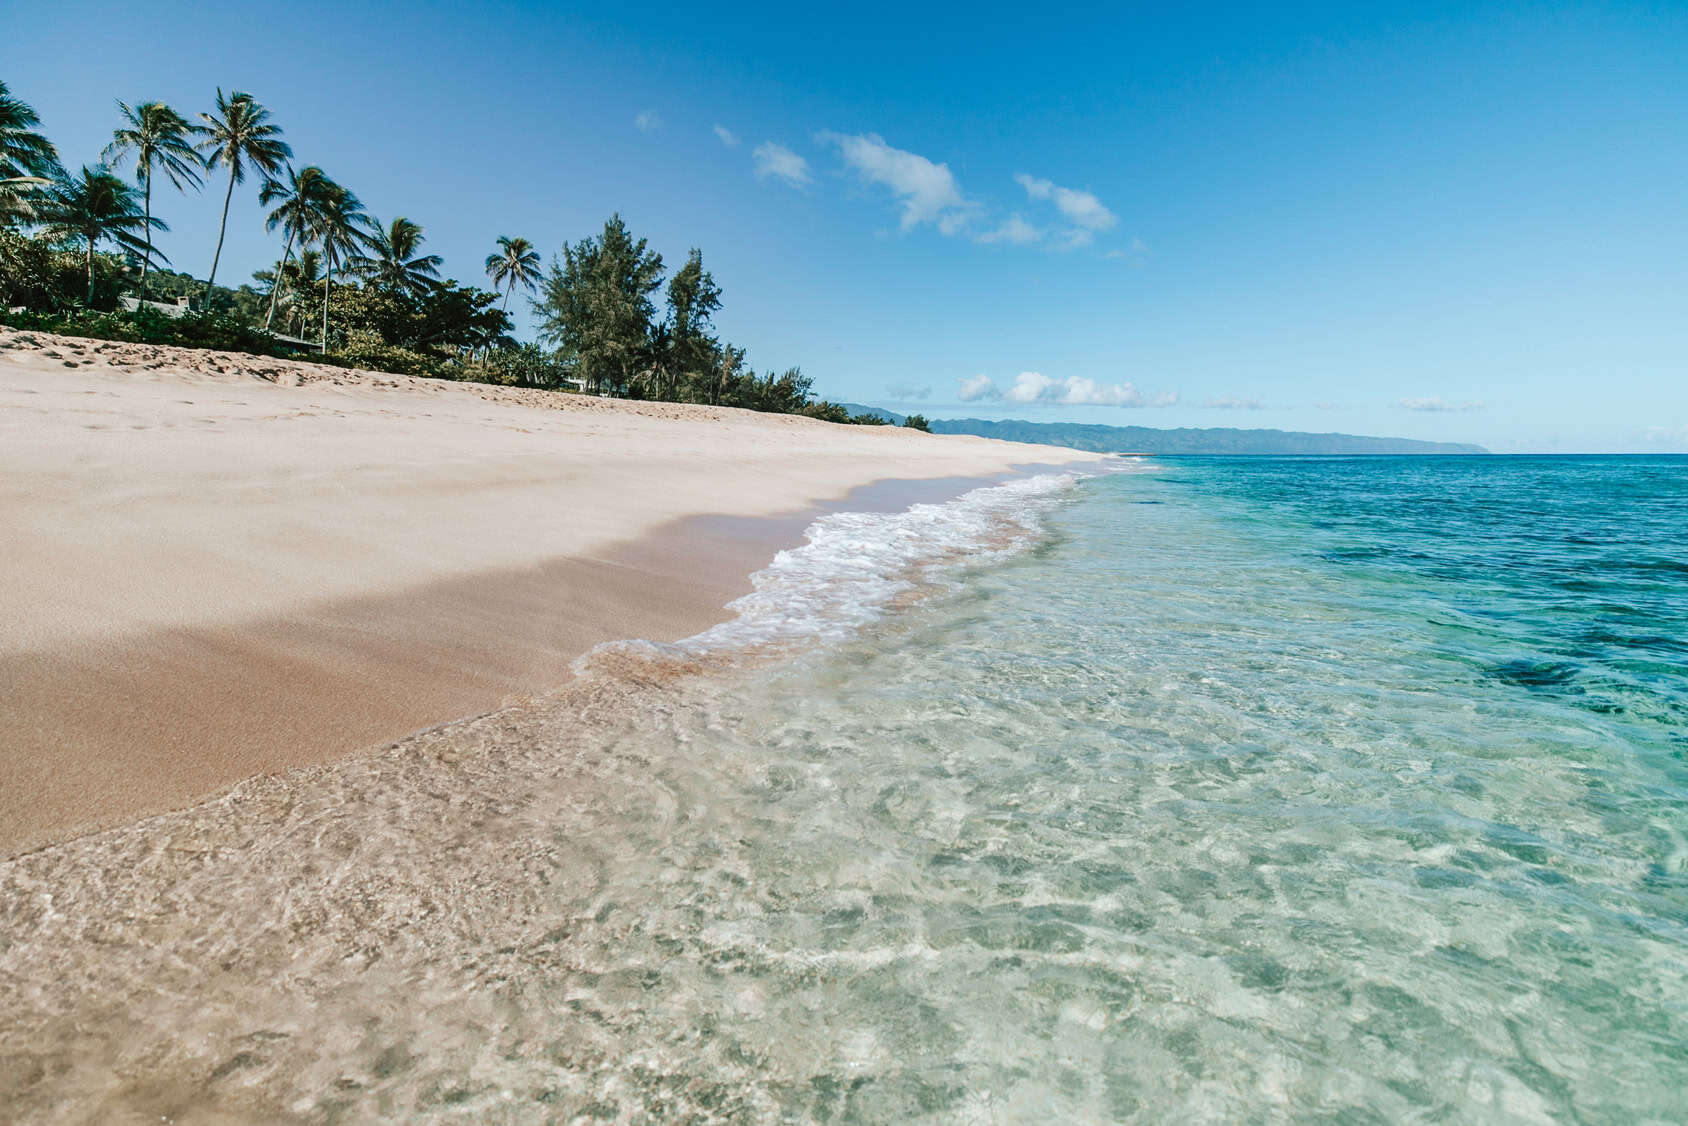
<point x="216" y="565"/>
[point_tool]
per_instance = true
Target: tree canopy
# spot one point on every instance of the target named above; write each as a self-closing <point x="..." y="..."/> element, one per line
<point x="373" y="290"/>
<point x="595" y="304"/>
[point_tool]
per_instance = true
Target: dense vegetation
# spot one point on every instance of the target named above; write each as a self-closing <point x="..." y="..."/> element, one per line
<point x="79" y="254"/>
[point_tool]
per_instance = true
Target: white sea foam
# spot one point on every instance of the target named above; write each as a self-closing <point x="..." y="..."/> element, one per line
<point x="855" y="566"/>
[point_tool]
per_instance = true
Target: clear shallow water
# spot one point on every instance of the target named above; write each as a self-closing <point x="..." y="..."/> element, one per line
<point x="1215" y="790"/>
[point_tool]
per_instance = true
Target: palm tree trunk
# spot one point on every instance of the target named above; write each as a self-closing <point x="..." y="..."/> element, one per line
<point x="221" y="231"/>
<point x="148" y="259"/>
<point x="327" y="284"/>
<point x="280" y="274"/>
<point x="90" y="301"/>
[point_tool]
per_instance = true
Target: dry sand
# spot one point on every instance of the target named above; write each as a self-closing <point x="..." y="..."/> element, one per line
<point x="215" y="565"/>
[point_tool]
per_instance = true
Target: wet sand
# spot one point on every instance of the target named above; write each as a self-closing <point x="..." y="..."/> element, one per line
<point x="219" y="566"/>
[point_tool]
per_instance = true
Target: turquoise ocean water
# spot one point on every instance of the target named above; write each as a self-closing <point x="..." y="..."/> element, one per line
<point x="1348" y="788"/>
<point x="1199" y="790"/>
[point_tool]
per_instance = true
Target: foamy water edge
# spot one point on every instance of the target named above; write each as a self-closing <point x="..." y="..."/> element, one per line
<point x="854" y="568"/>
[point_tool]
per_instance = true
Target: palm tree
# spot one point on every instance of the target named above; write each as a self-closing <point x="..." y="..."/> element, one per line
<point x="28" y="160"/>
<point x="300" y="278"/>
<point x="395" y="261"/>
<point x="238" y="135"/>
<point x="159" y="138"/>
<point x="93" y="207"/>
<point x="296" y="197"/>
<point x="516" y="263"/>
<point x="339" y="229"/>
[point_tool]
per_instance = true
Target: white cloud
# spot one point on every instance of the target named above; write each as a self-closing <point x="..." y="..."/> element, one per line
<point x="1081" y="208"/>
<point x="1232" y="403"/>
<point x="1035" y="388"/>
<point x="646" y="120"/>
<point x="927" y="190"/>
<point x="910" y="393"/>
<point x="1326" y="406"/>
<point x="773" y="159"/>
<point x="1437" y="403"/>
<point x="1014" y="230"/>
<point x="728" y="137"/>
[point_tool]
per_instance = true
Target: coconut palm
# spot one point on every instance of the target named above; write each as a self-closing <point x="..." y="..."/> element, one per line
<point x="28" y="161"/>
<point x="159" y="139"/>
<point x="299" y="278"/>
<point x="516" y="263"/>
<point x="96" y="206"/>
<point x="295" y="198"/>
<point x="339" y="229"/>
<point x="395" y="261"/>
<point x="239" y="135"/>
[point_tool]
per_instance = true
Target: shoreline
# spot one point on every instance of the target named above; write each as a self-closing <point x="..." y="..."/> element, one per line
<point x="174" y="674"/>
<point x="354" y="677"/>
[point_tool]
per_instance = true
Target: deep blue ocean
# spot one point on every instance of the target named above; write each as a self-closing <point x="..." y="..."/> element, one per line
<point x="1200" y="790"/>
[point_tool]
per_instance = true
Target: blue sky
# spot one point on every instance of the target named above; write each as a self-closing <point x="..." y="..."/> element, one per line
<point x="1463" y="222"/>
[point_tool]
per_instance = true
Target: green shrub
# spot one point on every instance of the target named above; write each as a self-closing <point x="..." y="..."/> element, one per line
<point x="364" y="348"/>
<point x="917" y="422"/>
<point x="825" y="411"/>
<point x="528" y="365"/>
<point x="223" y="331"/>
<point x="227" y="331"/>
<point x="32" y="274"/>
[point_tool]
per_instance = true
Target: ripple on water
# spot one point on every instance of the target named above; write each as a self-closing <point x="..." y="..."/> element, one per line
<point x="1184" y="815"/>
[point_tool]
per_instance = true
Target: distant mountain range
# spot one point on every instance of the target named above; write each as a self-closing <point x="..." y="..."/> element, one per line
<point x="1186" y="440"/>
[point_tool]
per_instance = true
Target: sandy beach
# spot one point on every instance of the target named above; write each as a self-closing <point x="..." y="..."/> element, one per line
<point x="219" y="565"/>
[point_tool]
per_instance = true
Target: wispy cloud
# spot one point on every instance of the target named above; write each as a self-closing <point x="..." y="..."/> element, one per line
<point x="909" y="392"/>
<point x="1135" y="253"/>
<point x="1437" y="403"/>
<point x="773" y="159"/>
<point x="728" y="137"/>
<point x="1233" y="403"/>
<point x="1033" y="388"/>
<point x="1676" y="436"/>
<point x="1326" y="406"/>
<point x="1082" y="209"/>
<point x="646" y="120"/>
<point x="1013" y="230"/>
<point x="927" y="190"/>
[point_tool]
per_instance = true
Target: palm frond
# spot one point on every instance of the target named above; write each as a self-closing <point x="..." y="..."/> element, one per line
<point x="395" y="260"/>
<point x="157" y="137"/>
<point x="28" y="161"/>
<point x="515" y="264"/>
<point x="240" y="135"/>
